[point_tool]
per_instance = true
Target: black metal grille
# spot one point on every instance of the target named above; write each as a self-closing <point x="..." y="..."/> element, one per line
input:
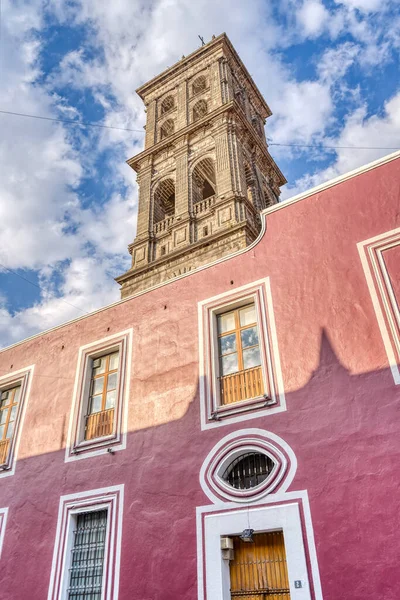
<point x="248" y="470"/>
<point x="86" y="571"/>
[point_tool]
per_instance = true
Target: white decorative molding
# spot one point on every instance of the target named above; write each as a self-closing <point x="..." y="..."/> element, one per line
<point x="71" y="505"/>
<point x="76" y="447"/>
<point x="3" y="523"/>
<point x="384" y="300"/>
<point x="258" y="292"/>
<point x="22" y="377"/>
<point x="242" y="441"/>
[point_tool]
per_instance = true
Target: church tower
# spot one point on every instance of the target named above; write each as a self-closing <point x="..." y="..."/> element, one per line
<point x="205" y="173"/>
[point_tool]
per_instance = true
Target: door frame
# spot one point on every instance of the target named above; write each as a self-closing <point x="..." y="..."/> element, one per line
<point x="288" y="512"/>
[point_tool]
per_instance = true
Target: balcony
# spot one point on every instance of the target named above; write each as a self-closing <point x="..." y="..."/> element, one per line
<point x="99" y="424"/>
<point x="162" y="226"/>
<point x="241" y="385"/>
<point x="203" y="205"/>
<point x="4" y="446"/>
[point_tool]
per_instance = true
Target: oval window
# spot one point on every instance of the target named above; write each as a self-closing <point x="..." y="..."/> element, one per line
<point x="248" y="470"/>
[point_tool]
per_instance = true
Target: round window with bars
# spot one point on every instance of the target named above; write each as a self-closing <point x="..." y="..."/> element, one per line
<point x="248" y="470"/>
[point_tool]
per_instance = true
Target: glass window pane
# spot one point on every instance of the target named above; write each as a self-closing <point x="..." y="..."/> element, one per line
<point x="10" y="430"/>
<point x="114" y="361"/>
<point x="226" y="322"/>
<point x="227" y="344"/>
<point x="102" y="366"/>
<point x="95" y="404"/>
<point x="17" y="394"/>
<point x="98" y="385"/>
<point x="112" y="381"/>
<point x="1" y="431"/>
<point x="5" y="399"/>
<point x="13" y="413"/>
<point x="251" y="358"/>
<point x="247" y="315"/>
<point x="229" y="364"/>
<point x="3" y="415"/>
<point x="110" y="399"/>
<point x="249" y="337"/>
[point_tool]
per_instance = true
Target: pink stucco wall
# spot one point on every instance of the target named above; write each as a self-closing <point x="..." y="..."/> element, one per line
<point x="342" y="417"/>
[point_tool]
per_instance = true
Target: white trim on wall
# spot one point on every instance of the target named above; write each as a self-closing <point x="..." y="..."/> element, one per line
<point x="382" y="294"/>
<point x="258" y="292"/>
<point x="110" y="498"/>
<point x="75" y="448"/>
<point x="24" y="378"/>
<point x="3" y="523"/>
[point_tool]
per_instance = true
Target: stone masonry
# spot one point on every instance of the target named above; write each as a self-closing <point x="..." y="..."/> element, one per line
<point x="205" y="173"/>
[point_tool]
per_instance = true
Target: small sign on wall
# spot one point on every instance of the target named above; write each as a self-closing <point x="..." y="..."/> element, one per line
<point x="298" y="584"/>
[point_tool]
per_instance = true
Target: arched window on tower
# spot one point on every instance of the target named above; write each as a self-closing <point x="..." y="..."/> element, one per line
<point x="200" y="109"/>
<point x="167" y="104"/>
<point x="199" y="85"/>
<point x="203" y="180"/>
<point x="164" y="200"/>
<point x="167" y="129"/>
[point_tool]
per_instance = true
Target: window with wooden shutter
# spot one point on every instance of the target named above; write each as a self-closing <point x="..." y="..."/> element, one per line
<point x="9" y="401"/>
<point x="239" y="355"/>
<point x="103" y="394"/>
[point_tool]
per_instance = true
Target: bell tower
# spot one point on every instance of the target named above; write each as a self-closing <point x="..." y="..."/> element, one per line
<point x="205" y="173"/>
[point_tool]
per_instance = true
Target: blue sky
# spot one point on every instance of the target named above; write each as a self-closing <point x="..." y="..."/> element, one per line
<point x="328" y="69"/>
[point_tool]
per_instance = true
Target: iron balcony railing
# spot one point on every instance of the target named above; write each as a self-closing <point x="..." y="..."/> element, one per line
<point x="4" y="446"/>
<point x="99" y="424"/>
<point x="241" y="385"/>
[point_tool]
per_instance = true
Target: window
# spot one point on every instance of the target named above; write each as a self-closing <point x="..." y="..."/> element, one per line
<point x="14" y="391"/>
<point x="167" y="104"/>
<point x="199" y="85"/>
<point x="199" y="110"/>
<point x="248" y="470"/>
<point x="87" y="546"/>
<point x="239" y="355"/>
<point x="103" y="394"/>
<point x="87" y="556"/>
<point x="167" y="129"/>
<point x="98" y="415"/>
<point x="9" y="400"/>
<point x="239" y="361"/>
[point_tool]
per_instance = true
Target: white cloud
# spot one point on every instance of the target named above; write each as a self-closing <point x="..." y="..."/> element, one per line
<point x="312" y="17"/>
<point x="362" y="140"/>
<point x="364" y="5"/>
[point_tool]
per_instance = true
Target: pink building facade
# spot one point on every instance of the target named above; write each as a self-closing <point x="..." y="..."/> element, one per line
<point x="323" y="277"/>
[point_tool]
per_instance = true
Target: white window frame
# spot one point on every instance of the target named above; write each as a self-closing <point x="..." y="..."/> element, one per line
<point x="382" y="293"/>
<point x="3" y="522"/>
<point x="22" y="377"/>
<point x="288" y="512"/>
<point x="71" y="505"/>
<point x="77" y="447"/>
<point x="213" y="414"/>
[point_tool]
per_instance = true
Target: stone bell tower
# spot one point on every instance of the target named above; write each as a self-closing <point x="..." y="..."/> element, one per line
<point x="205" y="172"/>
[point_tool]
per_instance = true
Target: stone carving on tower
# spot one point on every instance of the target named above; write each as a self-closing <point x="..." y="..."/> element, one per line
<point x="205" y="173"/>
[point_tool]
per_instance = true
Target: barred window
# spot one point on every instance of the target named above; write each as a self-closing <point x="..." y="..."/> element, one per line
<point x="103" y="394"/>
<point x="87" y="560"/>
<point x="9" y="400"/>
<point x="199" y="85"/>
<point x="167" y="104"/>
<point x="248" y="470"/>
<point x="167" y="129"/>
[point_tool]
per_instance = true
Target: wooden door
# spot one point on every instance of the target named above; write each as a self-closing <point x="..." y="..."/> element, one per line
<point x="258" y="570"/>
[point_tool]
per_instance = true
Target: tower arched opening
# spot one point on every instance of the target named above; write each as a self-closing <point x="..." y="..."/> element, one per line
<point x="203" y="180"/>
<point x="167" y="104"/>
<point x="164" y="200"/>
<point x="200" y="109"/>
<point x="167" y="129"/>
<point x="199" y="85"/>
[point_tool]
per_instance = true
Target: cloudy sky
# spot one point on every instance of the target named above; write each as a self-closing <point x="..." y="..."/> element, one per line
<point x="329" y="70"/>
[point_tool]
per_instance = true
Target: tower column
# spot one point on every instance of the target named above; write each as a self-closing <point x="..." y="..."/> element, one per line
<point x="182" y="179"/>
<point x="223" y="164"/>
<point x="143" y="219"/>
<point x="150" y="124"/>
